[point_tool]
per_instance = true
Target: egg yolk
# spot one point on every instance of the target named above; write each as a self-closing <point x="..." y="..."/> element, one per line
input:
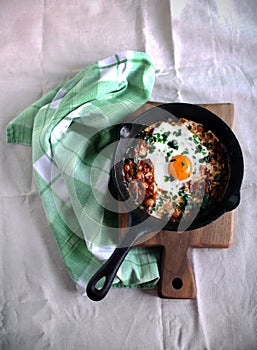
<point x="180" y="167"/>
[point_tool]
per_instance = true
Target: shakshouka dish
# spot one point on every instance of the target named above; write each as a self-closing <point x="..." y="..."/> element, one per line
<point x="176" y="168"/>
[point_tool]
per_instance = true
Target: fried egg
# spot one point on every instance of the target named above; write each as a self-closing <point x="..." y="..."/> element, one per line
<point x="177" y="156"/>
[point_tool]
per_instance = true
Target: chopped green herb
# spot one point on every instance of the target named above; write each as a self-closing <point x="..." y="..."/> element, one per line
<point x="217" y="177"/>
<point x="206" y="159"/>
<point x="175" y="197"/>
<point x="189" y="127"/>
<point x="196" y="139"/>
<point x="151" y="139"/>
<point x="186" y="195"/>
<point x="162" y="138"/>
<point x="151" y="149"/>
<point x="198" y="149"/>
<point x="183" y="164"/>
<point x="207" y="144"/>
<point x="173" y="144"/>
<point x="166" y="133"/>
<point x="165" y="195"/>
<point x="165" y="136"/>
<point x="177" y="133"/>
<point x="168" y="154"/>
<point x="168" y="178"/>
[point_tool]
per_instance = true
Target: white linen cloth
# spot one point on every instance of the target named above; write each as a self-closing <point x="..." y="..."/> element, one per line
<point x="204" y="52"/>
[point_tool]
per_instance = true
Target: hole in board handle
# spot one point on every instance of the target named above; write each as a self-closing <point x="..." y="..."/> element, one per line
<point x="177" y="283"/>
<point x="100" y="284"/>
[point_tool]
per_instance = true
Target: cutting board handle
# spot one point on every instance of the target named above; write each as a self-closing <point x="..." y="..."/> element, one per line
<point x="177" y="274"/>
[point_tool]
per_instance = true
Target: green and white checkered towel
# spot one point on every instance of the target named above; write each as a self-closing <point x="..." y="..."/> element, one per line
<point x="71" y="133"/>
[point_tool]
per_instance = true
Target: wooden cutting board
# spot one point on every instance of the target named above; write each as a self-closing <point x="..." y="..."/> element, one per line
<point x="177" y="278"/>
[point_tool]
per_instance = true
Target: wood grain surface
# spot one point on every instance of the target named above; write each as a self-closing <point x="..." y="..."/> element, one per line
<point x="177" y="278"/>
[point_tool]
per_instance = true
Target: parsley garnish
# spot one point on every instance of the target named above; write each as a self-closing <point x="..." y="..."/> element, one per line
<point x="217" y="177"/>
<point x="207" y="144"/>
<point x="168" y="178"/>
<point x="198" y="149"/>
<point x="206" y="159"/>
<point x="162" y="138"/>
<point x="168" y="154"/>
<point x="165" y="136"/>
<point x="173" y="144"/>
<point x="177" y="133"/>
<point x="151" y="149"/>
<point x="195" y="139"/>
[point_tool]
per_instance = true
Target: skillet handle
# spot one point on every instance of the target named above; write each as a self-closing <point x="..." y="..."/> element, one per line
<point x="108" y="272"/>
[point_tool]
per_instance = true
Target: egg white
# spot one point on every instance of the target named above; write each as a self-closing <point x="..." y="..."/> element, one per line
<point x="187" y="144"/>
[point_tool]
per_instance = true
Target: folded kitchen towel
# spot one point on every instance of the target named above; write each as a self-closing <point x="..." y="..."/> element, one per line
<point x="71" y="131"/>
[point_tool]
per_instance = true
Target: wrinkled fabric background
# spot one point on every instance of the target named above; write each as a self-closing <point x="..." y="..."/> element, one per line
<point x="204" y="52"/>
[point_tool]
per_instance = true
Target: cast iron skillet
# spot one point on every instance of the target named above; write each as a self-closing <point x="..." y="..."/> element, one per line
<point x="140" y="223"/>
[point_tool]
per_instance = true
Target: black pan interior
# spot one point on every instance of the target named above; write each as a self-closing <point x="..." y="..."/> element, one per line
<point x="210" y="121"/>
